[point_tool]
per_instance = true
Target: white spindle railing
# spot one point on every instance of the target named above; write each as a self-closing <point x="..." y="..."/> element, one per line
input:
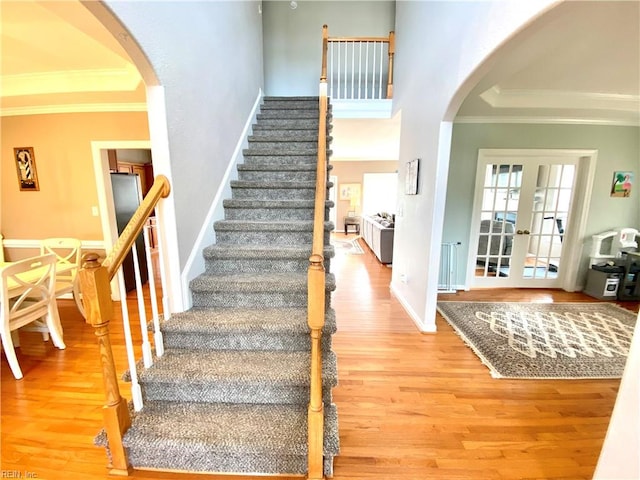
<point x="143" y="303"/>
<point x="360" y="68"/>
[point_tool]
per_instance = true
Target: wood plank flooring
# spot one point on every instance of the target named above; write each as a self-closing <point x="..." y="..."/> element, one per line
<point x="411" y="406"/>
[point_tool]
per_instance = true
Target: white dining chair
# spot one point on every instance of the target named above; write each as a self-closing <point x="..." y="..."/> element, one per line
<point x="68" y="252"/>
<point x="28" y="300"/>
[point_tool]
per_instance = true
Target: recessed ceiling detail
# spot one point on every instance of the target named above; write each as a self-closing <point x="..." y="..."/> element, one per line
<point x="520" y="98"/>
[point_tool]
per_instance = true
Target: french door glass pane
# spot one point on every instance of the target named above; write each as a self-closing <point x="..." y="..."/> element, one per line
<point x="549" y="214"/>
<point x="500" y="203"/>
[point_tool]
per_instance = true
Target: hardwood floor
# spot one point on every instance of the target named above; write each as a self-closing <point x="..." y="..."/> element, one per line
<point x="411" y="406"/>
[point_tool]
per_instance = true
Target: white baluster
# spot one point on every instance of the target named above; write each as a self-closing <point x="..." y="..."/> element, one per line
<point x="144" y="331"/>
<point x="136" y="392"/>
<point x="360" y="71"/>
<point x="157" y="334"/>
<point x="381" y="62"/>
<point x="366" y="72"/>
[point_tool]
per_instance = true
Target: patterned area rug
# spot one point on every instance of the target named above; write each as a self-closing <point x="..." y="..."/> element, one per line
<point x="349" y="247"/>
<point x="545" y="340"/>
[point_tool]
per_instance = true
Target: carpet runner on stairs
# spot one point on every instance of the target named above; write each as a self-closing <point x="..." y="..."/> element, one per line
<point x="230" y="394"/>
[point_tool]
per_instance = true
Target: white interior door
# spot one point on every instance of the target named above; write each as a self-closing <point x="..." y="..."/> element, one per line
<point x="522" y="212"/>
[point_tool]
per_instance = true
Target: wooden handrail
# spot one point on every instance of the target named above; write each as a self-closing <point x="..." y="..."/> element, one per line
<point x="95" y="286"/>
<point x="316" y="288"/>
<point x="359" y="39"/>
<point x="159" y="189"/>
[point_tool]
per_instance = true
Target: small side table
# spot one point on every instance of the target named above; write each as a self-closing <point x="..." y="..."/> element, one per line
<point x="353" y="221"/>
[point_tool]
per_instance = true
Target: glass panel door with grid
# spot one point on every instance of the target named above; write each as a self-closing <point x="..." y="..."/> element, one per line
<point x="523" y="212"/>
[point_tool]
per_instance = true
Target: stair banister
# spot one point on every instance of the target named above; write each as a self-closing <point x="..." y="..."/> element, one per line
<point x="372" y="78"/>
<point x="95" y="286"/>
<point x="316" y="287"/>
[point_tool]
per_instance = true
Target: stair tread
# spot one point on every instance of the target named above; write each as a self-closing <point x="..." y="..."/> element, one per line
<point x="278" y="98"/>
<point x="255" y="282"/>
<point x="242" y="320"/>
<point x="297" y="137"/>
<point x="254" y="225"/>
<point x="297" y="184"/>
<point x="249" y="367"/>
<point x="286" y="167"/>
<point x="228" y="428"/>
<point x="262" y="251"/>
<point x="265" y="203"/>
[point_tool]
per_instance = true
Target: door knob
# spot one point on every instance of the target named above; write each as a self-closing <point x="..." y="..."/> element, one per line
<point x="519" y="232"/>
<point x="526" y="232"/>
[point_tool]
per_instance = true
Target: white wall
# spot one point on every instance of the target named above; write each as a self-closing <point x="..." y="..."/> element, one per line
<point x="619" y="458"/>
<point x="428" y="81"/>
<point x="293" y="38"/>
<point x="208" y="58"/>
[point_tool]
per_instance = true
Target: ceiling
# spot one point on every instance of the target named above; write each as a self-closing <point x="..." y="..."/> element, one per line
<point x="57" y="57"/>
<point x="582" y="65"/>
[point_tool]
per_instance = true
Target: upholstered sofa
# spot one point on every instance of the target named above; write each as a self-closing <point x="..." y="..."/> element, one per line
<point x="377" y="232"/>
<point x="487" y="248"/>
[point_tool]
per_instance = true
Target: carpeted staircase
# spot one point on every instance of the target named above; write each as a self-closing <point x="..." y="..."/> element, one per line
<point x="230" y="394"/>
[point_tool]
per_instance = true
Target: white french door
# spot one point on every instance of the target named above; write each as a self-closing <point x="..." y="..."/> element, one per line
<point x="523" y="208"/>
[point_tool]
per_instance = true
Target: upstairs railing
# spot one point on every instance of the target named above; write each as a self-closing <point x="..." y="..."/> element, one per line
<point x="360" y="68"/>
<point x="316" y="286"/>
<point x="95" y="286"/>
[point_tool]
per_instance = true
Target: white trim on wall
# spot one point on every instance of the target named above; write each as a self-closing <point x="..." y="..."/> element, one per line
<point x="105" y="194"/>
<point x="195" y="264"/>
<point x="31" y="243"/>
<point x="548" y="120"/>
<point x="422" y="326"/>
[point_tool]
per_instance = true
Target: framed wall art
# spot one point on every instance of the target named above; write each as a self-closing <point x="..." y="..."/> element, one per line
<point x="621" y="185"/>
<point x="349" y="191"/>
<point x="26" y="167"/>
<point x="411" y="180"/>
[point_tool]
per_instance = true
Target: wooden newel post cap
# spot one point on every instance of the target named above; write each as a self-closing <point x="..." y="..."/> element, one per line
<point x="90" y="260"/>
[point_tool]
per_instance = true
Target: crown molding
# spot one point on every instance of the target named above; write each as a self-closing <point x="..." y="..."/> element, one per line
<point x="74" y="108"/>
<point x="548" y="121"/>
<point x="522" y="98"/>
<point x="71" y="81"/>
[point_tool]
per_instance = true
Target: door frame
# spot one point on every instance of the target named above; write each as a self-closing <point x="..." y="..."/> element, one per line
<point x="105" y="195"/>
<point x="572" y="247"/>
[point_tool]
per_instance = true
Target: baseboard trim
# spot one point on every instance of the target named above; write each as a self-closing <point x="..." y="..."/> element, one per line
<point x="411" y="312"/>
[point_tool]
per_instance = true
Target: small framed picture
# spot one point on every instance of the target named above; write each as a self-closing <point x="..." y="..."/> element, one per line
<point x="622" y="183"/>
<point x="411" y="180"/>
<point x="26" y="168"/>
<point x="349" y="191"/>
